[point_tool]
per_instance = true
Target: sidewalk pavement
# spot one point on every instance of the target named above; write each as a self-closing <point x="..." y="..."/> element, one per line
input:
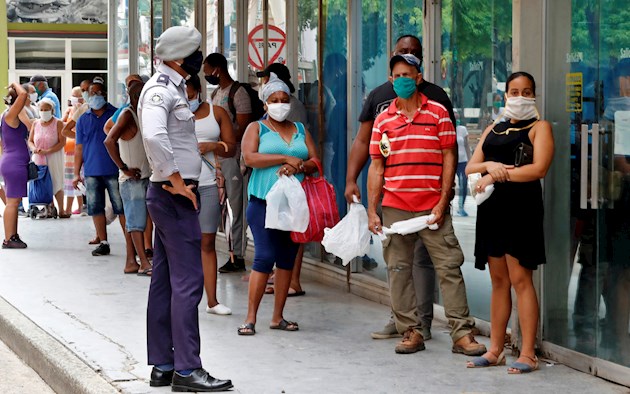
<point x="87" y="305"/>
<point x="22" y="377"/>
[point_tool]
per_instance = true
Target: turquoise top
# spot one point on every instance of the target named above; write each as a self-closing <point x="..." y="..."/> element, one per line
<point x="262" y="179"/>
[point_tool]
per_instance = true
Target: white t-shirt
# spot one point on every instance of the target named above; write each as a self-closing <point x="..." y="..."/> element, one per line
<point x="208" y="130"/>
<point x="462" y="134"/>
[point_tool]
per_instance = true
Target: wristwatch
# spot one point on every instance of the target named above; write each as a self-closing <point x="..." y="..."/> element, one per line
<point x="124" y="167"/>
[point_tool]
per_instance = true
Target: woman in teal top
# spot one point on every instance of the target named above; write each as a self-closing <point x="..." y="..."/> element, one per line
<point x="273" y="147"/>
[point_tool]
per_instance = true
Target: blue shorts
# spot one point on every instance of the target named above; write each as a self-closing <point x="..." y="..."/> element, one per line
<point x="209" y="209"/>
<point x="134" y="198"/>
<point x="270" y="245"/>
<point x="95" y="187"/>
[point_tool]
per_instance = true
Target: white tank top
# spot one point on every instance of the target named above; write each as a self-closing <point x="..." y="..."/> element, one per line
<point x="133" y="154"/>
<point x="208" y="130"/>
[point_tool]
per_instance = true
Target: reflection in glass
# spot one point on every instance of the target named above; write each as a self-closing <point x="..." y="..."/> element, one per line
<point x="89" y="55"/>
<point x="212" y="29"/>
<point x="406" y="19"/>
<point x="475" y="62"/>
<point x="121" y="35"/>
<point x="229" y="37"/>
<point x="144" y="37"/>
<point x="40" y="54"/>
<point x="375" y="69"/>
<point x="183" y="13"/>
<point x="587" y="297"/>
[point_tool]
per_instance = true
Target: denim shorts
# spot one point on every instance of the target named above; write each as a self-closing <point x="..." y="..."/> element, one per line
<point x="134" y="198"/>
<point x="95" y="187"/>
<point x="209" y="209"/>
<point x="270" y="245"/>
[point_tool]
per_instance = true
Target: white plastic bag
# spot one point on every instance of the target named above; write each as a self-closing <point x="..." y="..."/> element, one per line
<point x="479" y="197"/>
<point x="110" y="216"/>
<point x="409" y="226"/>
<point x="350" y="238"/>
<point x="287" y="208"/>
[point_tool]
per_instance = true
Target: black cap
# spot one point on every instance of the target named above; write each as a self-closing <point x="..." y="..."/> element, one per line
<point x="38" y="78"/>
<point x="281" y="71"/>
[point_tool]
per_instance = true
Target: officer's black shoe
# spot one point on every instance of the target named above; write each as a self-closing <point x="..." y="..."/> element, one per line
<point x="160" y="378"/>
<point x="199" y="381"/>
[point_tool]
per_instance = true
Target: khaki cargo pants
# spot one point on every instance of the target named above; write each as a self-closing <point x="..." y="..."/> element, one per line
<point x="447" y="257"/>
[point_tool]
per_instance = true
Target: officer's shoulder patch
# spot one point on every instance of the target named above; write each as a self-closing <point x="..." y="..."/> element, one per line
<point x="163" y="79"/>
<point x="156" y="98"/>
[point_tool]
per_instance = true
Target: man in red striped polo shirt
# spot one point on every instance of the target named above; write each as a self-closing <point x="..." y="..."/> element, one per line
<point x="414" y="157"/>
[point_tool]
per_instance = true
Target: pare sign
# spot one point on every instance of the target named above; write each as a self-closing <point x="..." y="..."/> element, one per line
<point x="276" y="41"/>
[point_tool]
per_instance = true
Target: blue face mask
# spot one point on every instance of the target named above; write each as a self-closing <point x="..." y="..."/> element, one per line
<point x="96" y="102"/>
<point x="194" y="104"/>
<point x="404" y="87"/>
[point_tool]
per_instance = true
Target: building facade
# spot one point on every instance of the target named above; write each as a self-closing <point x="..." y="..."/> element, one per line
<point x="337" y="52"/>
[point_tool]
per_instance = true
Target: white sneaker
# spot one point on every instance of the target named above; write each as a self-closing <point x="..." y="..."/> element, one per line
<point x="219" y="309"/>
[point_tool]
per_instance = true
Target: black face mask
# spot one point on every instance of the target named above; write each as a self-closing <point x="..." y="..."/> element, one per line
<point x="192" y="63"/>
<point x="212" y="79"/>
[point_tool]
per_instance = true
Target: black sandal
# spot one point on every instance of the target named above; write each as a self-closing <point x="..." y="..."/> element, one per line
<point x="247" y="329"/>
<point x="285" y="326"/>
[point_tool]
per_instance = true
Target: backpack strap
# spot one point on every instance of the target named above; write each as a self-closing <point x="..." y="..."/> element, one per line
<point x="233" y="90"/>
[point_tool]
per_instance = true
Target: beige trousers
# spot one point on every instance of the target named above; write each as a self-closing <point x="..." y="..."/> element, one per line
<point x="447" y="257"/>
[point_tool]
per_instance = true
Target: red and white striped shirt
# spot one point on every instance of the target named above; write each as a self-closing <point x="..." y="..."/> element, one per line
<point x="413" y="169"/>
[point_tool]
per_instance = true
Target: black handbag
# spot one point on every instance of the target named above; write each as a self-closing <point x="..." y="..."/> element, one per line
<point x="33" y="171"/>
<point x="523" y="154"/>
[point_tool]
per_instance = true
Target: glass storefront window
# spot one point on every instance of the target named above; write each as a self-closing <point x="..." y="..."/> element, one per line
<point x="406" y="19"/>
<point x="212" y="33"/>
<point x="89" y="55"/>
<point x="158" y="27"/>
<point x="31" y="54"/>
<point x="476" y="60"/>
<point x="229" y="37"/>
<point x="333" y="135"/>
<point x="587" y="289"/>
<point x="183" y="13"/>
<point x="144" y="37"/>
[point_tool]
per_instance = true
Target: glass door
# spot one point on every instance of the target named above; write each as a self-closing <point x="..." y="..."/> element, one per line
<point x="587" y="282"/>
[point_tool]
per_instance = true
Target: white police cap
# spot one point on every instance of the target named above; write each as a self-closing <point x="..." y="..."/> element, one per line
<point x="177" y="42"/>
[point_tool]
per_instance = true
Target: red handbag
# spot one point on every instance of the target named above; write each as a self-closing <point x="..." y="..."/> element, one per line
<point x="322" y="207"/>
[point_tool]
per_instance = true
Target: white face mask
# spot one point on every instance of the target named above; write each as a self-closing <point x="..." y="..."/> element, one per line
<point x="278" y="111"/>
<point x="74" y="101"/>
<point x="33" y="97"/>
<point x="520" y="108"/>
<point x="46" y="115"/>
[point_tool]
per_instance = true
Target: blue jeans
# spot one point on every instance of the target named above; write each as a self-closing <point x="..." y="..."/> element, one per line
<point x="95" y="187"/>
<point x="134" y="197"/>
<point x="270" y="245"/>
<point x="462" y="180"/>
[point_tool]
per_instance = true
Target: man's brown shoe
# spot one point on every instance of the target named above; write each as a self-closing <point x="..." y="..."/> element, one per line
<point x="469" y="346"/>
<point x="412" y="342"/>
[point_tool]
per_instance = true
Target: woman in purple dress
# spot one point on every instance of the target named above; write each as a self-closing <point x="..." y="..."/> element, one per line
<point x="14" y="162"/>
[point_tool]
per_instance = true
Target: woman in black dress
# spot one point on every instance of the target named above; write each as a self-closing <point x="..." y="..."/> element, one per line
<point x="509" y="234"/>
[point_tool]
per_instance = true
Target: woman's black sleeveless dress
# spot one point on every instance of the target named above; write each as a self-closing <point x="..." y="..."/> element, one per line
<point x="511" y="220"/>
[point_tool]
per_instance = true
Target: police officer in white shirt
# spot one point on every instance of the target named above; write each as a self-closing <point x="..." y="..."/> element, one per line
<point x="177" y="280"/>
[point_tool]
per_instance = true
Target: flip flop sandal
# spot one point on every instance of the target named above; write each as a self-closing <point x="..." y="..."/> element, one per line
<point x="247" y="329"/>
<point x="482" y="362"/>
<point x="521" y="368"/>
<point x="285" y="326"/>
<point x="296" y="293"/>
<point x="145" y="272"/>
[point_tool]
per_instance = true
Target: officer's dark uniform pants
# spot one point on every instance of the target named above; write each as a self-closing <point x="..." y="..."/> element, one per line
<point x="176" y="282"/>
